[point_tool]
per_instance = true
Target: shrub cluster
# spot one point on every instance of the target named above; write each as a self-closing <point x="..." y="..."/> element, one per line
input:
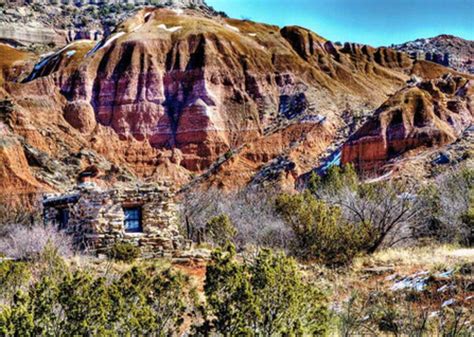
<point x="264" y="297"/>
<point x="25" y="243"/>
<point x="141" y="302"/>
<point x="321" y="234"/>
<point x="219" y="230"/>
<point x="447" y="213"/>
<point x="403" y="313"/>
<point x="250" y="212"/>
<point x="124" y="251"/>
<point x="267" y="297"/>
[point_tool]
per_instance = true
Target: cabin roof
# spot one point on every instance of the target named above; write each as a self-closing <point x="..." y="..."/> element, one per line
<point x="61" y="200"/>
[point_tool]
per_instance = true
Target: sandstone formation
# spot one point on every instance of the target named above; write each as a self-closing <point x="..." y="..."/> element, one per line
<point x="183" y="95"/>
<point x="17" y="182"/>
<point x="31" y="34"/>
<point x="204" y="86"/>
<point x="47" y="24"/>
<point x="426" y="114"/>
<point x="80" y="3"/>
<point x="14" y="63"/>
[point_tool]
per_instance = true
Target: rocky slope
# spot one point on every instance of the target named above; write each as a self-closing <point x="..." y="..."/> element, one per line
<point x="448" y="50"/>
<point x="422" y="115"/>
<point x="187" y="96"/>
<point x="46" y="25"/>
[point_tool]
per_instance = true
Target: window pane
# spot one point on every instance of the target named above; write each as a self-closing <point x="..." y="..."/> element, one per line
<point x="62" y="218"/>
<point x="132" y="214"/>
<point x="132" y="219"/>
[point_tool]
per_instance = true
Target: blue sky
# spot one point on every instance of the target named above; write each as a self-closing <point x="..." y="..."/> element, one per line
<point x="374" y="22"/>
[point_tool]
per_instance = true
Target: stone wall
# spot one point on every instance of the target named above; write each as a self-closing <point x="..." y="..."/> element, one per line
<point x="96" y="219"/>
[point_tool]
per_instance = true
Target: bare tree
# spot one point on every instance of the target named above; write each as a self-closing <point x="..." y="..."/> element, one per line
<point x="251" y="212"/>
<point x="28" y="243"/>
<point x="388" y="207"/>
<point x="445" y="208"/>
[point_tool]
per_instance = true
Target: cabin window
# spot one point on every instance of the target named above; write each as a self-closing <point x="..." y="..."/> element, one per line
<point x="62" y="218"/>
<point x="133" y="219"/>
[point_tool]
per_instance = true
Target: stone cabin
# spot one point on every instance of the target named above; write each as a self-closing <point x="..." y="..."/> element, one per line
<point x="142" y="214"/>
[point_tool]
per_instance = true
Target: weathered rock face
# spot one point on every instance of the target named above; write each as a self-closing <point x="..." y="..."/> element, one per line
<point x="171" y="93"/>
<point x="204" y="86"/>
<point x="46" y="24"/>
<point x="28" y="35"/>
<point x="428" y="114"/>
<point x="17" y="182"/>
<point x="14" y="63"/>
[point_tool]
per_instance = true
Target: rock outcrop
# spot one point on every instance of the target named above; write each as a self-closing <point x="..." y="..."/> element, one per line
<point x="47" y="24"/>
<point x="424" y="115"/>
<point x="450" y="51"/>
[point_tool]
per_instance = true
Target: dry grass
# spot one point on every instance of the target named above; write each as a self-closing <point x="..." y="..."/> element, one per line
<point x="377" y="272"/>
<point x="427" y="257"/>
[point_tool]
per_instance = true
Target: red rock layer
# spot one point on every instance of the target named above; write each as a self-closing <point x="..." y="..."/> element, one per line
<point x="167" y="94"/>
<point x="430" y="114"/>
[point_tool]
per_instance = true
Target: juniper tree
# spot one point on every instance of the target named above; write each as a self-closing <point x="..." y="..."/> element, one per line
<point x="265" y="297"/>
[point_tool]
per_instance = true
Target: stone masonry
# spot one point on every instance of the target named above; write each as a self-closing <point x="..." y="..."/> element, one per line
<point x="95" y="217"/>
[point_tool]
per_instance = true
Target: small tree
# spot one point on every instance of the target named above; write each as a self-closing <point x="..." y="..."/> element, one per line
<point x="228" y="295"/>
<point x="220" y="229"/>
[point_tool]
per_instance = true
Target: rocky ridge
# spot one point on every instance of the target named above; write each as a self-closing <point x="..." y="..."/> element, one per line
<point x="48" y="25"/>
<point x="447" y="50"/>
<point x="423" y="115"/>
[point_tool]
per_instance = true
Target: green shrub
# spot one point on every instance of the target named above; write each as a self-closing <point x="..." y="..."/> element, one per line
<point x="228" y="154"/>
<point x="320" y="232"/>
<point x="124" y="251"/>
<point x="387" y="209"/>
<point x="266" y="297"/>
<point x="12" y="276"/>
<point x="220" y="229"/>
<point x="140" y="302"/>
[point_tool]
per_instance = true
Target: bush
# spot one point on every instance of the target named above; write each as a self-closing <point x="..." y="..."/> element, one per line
<point x="124" y="251"/>
<point x="251" y="212"/>
<point x="12" y="276"/>
<point x="447" y="211"/>
<point x="320" y="232"/>
<point x="388" y="208"/>
<point x="266" y="297"/>
<point x="12" y="215"/>
<point x="25" y="243"/>
<point x="140" y="302"/>
<point x="220" y="229"/>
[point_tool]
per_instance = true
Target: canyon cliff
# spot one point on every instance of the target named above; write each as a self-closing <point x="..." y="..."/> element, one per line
<point x="182" y="95"/>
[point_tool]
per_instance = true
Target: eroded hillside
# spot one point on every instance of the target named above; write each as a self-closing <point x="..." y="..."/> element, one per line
<point x="178" y="94"/>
